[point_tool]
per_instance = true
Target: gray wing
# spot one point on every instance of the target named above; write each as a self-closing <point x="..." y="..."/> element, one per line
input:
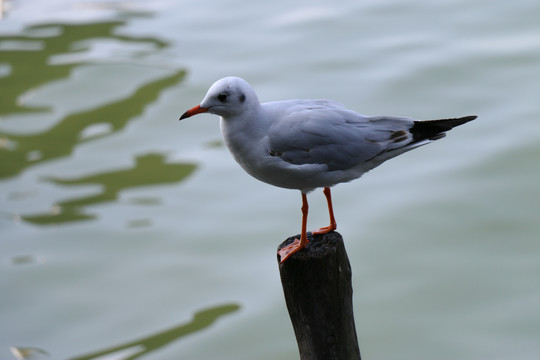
<point x="316" y="133"/>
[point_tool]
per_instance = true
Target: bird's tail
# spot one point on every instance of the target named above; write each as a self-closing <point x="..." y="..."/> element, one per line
<point x="435" y="129"/>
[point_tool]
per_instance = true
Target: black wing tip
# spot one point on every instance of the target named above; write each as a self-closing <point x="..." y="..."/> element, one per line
<point x="464" y="119"/>
<point x="435" y="129"/>
<point x="450" y="122"/>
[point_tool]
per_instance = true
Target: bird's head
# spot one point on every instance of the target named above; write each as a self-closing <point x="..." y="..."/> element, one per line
<point x="228" y="97"/>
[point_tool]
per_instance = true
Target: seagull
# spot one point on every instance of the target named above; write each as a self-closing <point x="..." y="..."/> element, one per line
<point x="309" y="144"/>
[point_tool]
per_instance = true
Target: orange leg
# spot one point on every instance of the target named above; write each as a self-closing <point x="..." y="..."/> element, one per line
<point x="333" y="224"/>
<point x="297" y="244"/>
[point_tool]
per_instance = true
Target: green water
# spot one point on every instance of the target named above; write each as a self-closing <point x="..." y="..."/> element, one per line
<point x="125" y="234"/>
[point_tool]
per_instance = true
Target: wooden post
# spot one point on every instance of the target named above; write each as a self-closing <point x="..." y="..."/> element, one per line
<point x="318" y="292"/>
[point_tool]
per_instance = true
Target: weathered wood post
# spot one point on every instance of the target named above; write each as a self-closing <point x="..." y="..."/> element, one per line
<point x="318" y="292"/>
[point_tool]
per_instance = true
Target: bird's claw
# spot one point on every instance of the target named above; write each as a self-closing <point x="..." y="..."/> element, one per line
<point x="287" y="251"/>
<point x="324" y="230"/>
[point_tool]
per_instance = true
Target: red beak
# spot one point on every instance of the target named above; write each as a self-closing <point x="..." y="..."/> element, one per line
<point x="193" y="111"/>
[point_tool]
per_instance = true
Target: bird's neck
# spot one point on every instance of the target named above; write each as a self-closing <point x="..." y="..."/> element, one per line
<point x="251" y="124"/>
<point x="243" y="133"/>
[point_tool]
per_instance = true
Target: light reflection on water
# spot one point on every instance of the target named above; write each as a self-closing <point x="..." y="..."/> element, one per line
<point x="142" y="346"/>
<point x="149" y="170"/>
<point x="30" y="70"/>
<point x="107" y="231"/>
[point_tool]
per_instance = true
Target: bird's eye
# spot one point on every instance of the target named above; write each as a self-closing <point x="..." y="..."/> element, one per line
<point x="222" y="97"/>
